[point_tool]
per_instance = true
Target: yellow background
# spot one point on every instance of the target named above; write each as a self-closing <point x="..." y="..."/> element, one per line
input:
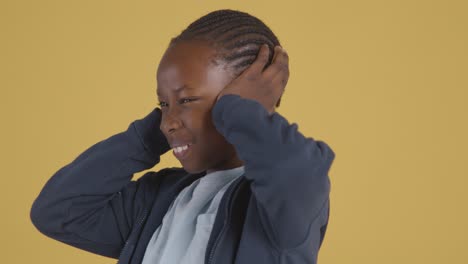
<point x="384" y="83"/>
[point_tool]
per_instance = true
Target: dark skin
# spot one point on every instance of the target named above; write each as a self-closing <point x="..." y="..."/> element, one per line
<point x="186" y="114"/>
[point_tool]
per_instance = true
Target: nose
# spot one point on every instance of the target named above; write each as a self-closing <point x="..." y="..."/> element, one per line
<point x="170" y="121"/>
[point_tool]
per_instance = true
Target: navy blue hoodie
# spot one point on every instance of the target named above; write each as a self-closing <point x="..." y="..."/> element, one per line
<point x="277" y="212"/>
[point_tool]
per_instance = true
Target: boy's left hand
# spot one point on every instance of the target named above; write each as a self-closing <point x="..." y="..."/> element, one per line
<point x="265" y="86"/>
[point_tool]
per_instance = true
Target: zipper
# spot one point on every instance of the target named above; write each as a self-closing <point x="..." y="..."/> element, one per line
<point x="137" y="227"/>
<point x="139" y="223"/>
<point x="124" y="248"/>
<point x="226" y="222"/>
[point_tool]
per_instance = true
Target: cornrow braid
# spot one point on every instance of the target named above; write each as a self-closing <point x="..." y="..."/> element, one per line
<point x="237" y="37"/>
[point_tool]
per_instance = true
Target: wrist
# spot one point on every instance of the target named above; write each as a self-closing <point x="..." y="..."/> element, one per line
<point x="150" y="134"/>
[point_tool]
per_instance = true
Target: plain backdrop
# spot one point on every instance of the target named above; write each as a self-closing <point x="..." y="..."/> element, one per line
<point x="384" y="83"/>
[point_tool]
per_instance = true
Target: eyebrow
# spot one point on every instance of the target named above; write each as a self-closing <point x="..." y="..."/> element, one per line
<point x="177" y="90"/>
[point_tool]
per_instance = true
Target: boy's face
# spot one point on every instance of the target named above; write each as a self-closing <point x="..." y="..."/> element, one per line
<point x="186" y="114"/>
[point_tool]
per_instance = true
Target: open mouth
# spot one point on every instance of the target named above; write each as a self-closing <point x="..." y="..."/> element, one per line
<point x="182" y="152"/>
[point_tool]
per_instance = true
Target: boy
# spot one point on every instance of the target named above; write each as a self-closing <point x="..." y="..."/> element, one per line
<point x="252" y="188"/>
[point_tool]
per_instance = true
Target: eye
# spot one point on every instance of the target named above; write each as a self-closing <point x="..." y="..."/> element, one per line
<point x="186" y="100"/>
<point x="183" y="100"/>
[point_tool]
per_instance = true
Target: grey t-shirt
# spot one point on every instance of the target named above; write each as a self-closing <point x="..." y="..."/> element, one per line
<point x="186" y="227"/>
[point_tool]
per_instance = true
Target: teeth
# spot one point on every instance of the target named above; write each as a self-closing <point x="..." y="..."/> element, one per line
<point x="179" y="149"/>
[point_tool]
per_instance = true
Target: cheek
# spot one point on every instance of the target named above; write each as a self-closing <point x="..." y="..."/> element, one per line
<point x="194" y="121"/>
<point x="203" y="122"/>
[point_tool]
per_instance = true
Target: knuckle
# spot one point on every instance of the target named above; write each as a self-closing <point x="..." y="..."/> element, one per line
<point x="284" y="67"/>
<point x="264" y="54"/>
<point x="252" y="76"/>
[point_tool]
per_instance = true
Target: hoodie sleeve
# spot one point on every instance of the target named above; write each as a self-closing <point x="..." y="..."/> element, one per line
<point x="288" y="172"/>
<point x="92" y="203"/>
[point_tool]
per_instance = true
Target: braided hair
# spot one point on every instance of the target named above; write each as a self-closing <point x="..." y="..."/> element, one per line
<point x="236" y="36"/>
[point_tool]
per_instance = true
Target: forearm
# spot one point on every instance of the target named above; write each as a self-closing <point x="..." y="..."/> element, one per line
<point x="289" y="172"/>
<point x="97" y="174"/>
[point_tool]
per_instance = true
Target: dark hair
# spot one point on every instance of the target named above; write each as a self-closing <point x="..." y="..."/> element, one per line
<point x="237" y="37"/>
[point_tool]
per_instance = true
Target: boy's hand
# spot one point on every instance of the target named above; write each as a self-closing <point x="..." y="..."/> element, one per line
<point x="265" y="86"/>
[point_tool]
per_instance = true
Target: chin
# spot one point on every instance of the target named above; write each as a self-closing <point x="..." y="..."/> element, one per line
<point x="192" y="169"/>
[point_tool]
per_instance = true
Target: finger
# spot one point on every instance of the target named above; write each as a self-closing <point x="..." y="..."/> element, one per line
<point x="280" y="77"/>
<point x="279" y="67"/>
<point x="259" y="63"/>
<point x="276" y="50"/>
<point x="279" y="63"/>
